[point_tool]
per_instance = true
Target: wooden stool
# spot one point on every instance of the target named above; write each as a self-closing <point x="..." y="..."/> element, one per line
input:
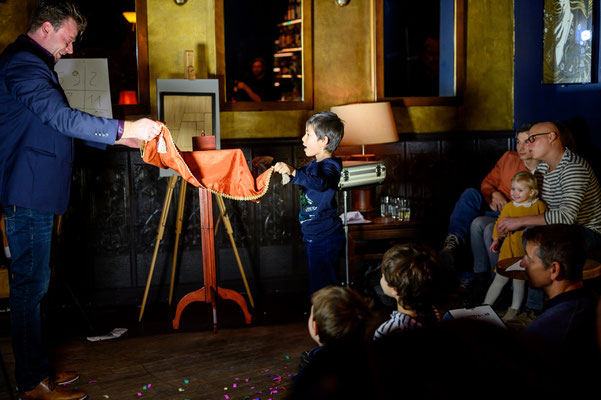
<point x="592" y="269"/>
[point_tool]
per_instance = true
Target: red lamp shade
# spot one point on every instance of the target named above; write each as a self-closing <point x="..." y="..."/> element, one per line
<point x="128" y="97"/>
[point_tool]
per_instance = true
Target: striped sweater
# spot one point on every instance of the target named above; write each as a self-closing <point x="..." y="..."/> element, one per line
<point x="571" y="192"/>
<point x="403" y="322"/>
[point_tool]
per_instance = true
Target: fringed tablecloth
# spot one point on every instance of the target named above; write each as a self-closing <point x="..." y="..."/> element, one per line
<point x="223" y="172"/>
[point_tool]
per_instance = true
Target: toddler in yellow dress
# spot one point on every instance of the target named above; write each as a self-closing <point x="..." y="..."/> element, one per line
<point x="524" y="192"/>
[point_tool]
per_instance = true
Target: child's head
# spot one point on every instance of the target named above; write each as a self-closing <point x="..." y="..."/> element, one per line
<point x="410" y="275"/>
<point x="524" y="187"/>
<point x="338" y="314"/>
<point x="326" y="124"/>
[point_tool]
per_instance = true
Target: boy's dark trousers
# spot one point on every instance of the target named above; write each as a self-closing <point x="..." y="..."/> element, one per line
<point x="323" y="255"/>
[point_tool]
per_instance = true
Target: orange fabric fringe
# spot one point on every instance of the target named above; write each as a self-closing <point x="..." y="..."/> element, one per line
<point x="223" y="172"/>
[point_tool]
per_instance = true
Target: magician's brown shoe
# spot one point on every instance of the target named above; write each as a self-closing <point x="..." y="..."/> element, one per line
<point x="65" y="377"/>
<point x="48" y="390"/>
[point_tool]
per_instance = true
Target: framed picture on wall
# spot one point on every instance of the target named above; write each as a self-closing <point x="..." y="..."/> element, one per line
<point x="567" y="41"/>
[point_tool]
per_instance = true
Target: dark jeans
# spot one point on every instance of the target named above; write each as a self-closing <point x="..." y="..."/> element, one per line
<point x="323" y="256"/>
<point x="29" y="234"/>
<point x="470" y="205"/>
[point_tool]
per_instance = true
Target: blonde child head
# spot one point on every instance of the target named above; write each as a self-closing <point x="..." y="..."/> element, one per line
<point x="526" y="182"/>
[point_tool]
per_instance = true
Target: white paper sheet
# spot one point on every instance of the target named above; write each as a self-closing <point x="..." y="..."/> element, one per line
<point x="115" y="333"/>
<point x="482" y="313"/>
<point x="515" y="267"/>
<point x="354" y="217"/>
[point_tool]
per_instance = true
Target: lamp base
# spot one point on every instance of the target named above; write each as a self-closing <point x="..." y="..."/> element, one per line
<point x="363" y="157"/>
<point x="363" y="200"/>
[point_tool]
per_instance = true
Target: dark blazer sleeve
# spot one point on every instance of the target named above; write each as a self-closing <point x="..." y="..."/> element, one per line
<point x="37" y="87"/>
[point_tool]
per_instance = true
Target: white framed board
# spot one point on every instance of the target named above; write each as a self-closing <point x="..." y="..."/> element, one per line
<point x="86" y="84"/>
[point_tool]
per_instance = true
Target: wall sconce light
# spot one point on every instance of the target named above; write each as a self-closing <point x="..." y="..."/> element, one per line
<point x="180" y="2"/>
<point x="342" y="3"/>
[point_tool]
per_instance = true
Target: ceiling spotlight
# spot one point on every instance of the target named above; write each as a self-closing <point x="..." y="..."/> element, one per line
<point x="342" y="3"/>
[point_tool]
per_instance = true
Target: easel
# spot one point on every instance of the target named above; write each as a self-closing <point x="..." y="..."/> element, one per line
<point x="208" y="293"/>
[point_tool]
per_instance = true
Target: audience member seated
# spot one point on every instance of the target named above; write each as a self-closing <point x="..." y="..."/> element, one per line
<point x="338" y="323"/>
<point x="462" y="358"/>
<point x="571" y="191"/>
<point x="410" y="275"/>
<point x="524" y="193"/>
<point x="481" y="229"/>
<point x="554" y="260"/>
<point x="487" y="203"/>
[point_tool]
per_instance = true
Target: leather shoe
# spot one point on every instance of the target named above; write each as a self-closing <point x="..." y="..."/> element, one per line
<point x="65" y="377"/>
<point x="48" y="390"/>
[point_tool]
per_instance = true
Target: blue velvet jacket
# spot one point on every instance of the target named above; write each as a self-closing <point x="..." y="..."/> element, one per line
<point x="37" y="128"/>
<point x="319" y="212"/>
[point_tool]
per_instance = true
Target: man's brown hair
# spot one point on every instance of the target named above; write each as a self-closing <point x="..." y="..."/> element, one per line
<point x="561" y="243"/>
<point x="56" y="12"/>
<point x="341" y="314"/>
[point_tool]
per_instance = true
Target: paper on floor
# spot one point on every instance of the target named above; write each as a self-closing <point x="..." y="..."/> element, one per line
<point x="115" y="333"/>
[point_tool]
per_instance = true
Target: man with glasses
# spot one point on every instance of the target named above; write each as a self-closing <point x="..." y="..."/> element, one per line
<point x="571" y="191"/>
<point x="38" y="128"/>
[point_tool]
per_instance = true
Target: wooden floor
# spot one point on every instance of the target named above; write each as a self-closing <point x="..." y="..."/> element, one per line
<point x="154" y="361"/>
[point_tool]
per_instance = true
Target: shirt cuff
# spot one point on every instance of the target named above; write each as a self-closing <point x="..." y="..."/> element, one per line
<point x="120" y="129"/>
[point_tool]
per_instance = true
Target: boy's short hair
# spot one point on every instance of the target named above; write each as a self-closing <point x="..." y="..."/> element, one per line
<point x="341" y="314"/>
<point x="414" y="272"/>
<point x="327" y="124"/>
<point x="529" y="179"/>
<point x="57" y="12"/>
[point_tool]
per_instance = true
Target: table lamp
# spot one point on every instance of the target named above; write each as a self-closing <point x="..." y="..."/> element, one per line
<point x="366" y="123"/>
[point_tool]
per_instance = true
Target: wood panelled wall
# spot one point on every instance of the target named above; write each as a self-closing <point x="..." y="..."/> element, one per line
<point x="108" y="234"/>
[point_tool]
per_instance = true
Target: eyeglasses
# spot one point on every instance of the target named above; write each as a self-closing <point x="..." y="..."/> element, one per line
<point x="532" y="138"/>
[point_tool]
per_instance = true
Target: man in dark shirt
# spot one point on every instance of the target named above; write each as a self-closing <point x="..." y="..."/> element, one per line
<point x="554" y="260"/>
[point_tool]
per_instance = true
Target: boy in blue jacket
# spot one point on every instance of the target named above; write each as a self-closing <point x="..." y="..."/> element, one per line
<point x="320" y="223"/>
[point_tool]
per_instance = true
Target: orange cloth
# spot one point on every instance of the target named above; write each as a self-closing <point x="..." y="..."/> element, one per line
<point x="223" y="172"/>
<point x="500" y="177"/>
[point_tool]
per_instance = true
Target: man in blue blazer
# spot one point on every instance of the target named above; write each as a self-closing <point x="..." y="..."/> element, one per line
<point x="37" y="130"/>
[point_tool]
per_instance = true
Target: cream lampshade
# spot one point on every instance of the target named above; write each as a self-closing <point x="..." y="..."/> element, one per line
<point x="366" y="123"/>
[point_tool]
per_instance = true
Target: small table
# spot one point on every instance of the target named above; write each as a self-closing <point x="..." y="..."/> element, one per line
<point x="592" y="269"/>
<point x="370" y="241"/>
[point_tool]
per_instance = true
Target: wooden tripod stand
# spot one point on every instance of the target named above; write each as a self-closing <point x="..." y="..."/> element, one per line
<point x="210" y="291"/>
